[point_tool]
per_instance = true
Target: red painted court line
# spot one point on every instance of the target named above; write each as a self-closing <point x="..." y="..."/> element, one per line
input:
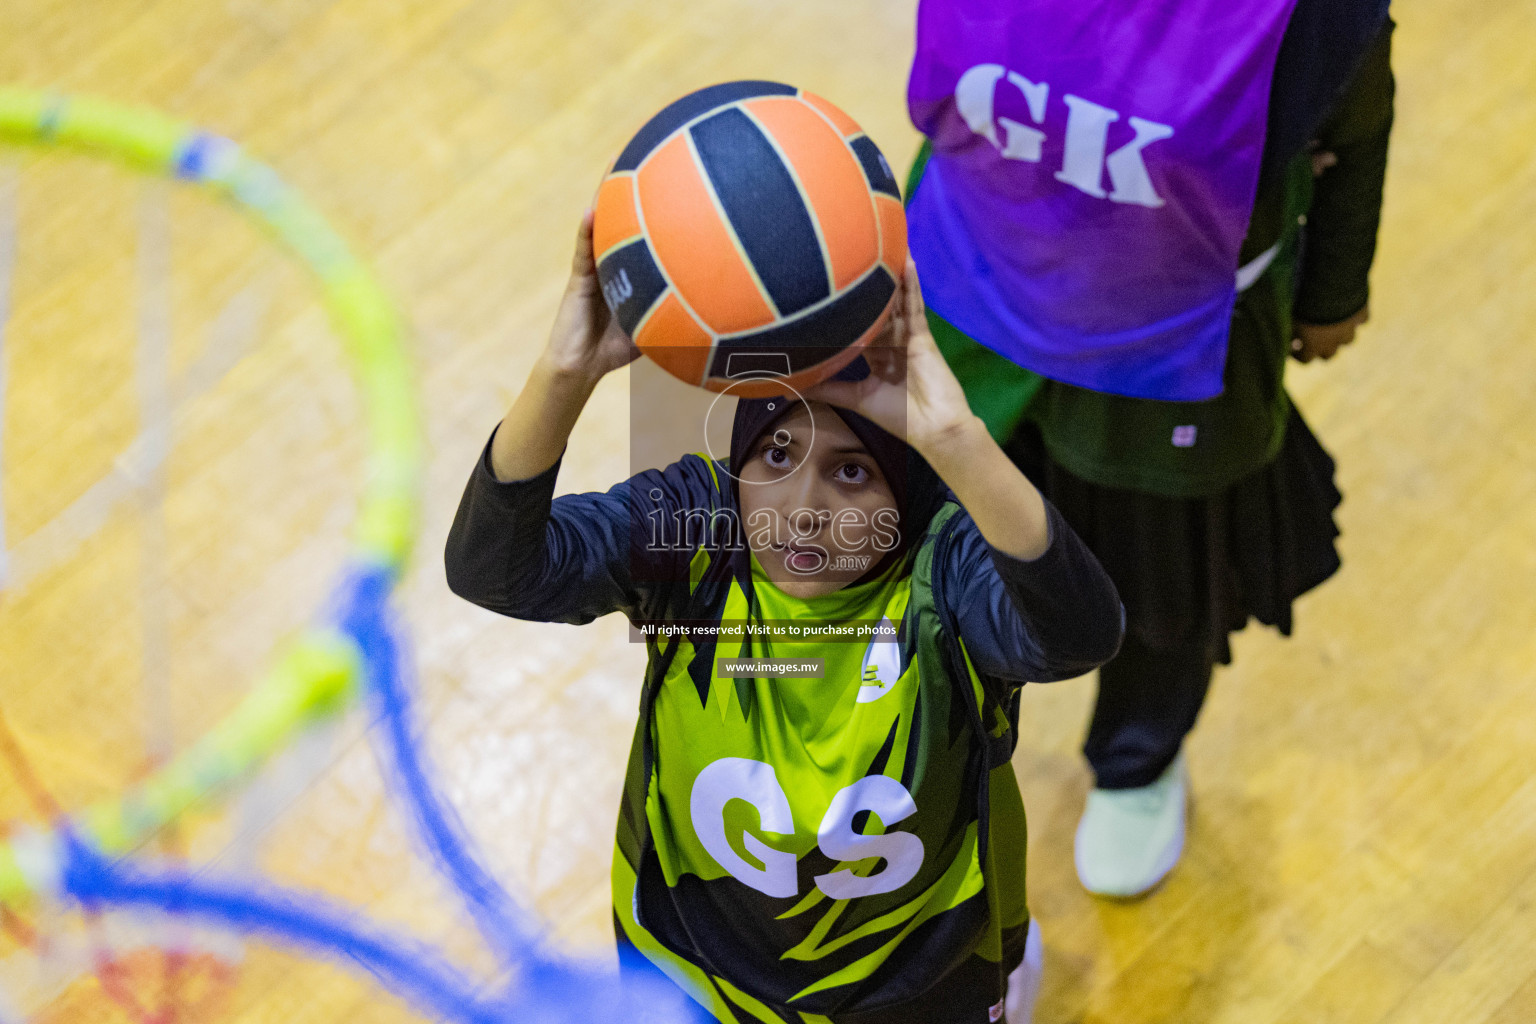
<point x="108" y="971"/>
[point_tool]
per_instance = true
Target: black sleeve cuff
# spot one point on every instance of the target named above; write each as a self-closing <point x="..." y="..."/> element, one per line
<point x="513" y="493"/>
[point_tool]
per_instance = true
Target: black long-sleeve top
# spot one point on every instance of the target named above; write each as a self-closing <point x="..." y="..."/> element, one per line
<point x="516" y="550"/>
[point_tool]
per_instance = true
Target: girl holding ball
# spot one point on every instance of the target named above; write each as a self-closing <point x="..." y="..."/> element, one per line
<point x="848" y="846"/>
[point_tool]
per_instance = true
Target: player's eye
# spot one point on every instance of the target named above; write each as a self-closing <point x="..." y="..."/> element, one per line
<point x="776" y="458"/>
<point x="851" y="473"/>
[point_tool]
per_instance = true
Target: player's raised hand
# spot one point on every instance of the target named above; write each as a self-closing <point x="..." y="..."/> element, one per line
<point x="911" y="390"/>
<point x="586" y="341"/>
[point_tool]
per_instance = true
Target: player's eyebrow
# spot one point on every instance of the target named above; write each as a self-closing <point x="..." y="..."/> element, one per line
<point x="769" y="441"/>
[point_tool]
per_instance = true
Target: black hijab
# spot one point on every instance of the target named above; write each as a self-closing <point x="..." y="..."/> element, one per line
<point x="916" y="487"/>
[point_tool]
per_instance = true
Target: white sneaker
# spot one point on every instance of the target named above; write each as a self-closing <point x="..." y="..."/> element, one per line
<point x="1129" y="839"/>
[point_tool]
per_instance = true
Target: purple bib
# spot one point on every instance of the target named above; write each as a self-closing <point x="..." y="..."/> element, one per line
<point x="1093" y="172"/>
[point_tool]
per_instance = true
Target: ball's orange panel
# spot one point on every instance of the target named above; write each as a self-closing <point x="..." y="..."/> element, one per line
<point x="893" y="234"/>
<point x="615" y="219"/>
<point x="693" y="243"/>
<point x="674" y="339"/>
<point x="833" y="183"/>
<point x="845" y="124"/>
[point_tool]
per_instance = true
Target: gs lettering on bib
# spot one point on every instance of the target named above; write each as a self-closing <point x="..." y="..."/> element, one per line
<point x="1093" y="172"/>
<point x="739" y="778"/>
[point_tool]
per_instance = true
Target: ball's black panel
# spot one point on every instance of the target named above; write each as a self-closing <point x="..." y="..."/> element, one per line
<point x="765" y="209"/>
<point x="680" y="112"/>
<point x="876" y="170"/>
<point x="631" y="283"/>
<point x="810" y="339"/>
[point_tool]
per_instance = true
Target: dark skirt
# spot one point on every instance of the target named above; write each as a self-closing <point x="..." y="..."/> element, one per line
<point x="1191" y="570"/>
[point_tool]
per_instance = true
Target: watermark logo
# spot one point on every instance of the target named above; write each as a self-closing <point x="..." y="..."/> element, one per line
<point x="856" y="536"/>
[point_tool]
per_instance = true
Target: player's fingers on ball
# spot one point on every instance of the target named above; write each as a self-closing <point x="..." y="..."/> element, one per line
<point x="898" y="306"/>
<point x="890" y="335"/>
<point x="583" y="257"/>
<point x="919" y="337"/>
<point x="914" y="290"/>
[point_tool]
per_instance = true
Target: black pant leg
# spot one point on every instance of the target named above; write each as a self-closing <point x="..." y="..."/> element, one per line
<point x="1168" y="558"/>
<point x="1148" y="701"/>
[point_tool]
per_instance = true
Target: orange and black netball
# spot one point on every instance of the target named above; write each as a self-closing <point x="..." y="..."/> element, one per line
<point x="749" y="237"/>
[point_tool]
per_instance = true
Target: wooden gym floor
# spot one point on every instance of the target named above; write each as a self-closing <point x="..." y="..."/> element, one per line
<point x="1363" y="849"/>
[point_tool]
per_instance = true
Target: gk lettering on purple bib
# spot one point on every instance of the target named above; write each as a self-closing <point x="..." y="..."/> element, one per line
<point x="1093" y="172"/>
